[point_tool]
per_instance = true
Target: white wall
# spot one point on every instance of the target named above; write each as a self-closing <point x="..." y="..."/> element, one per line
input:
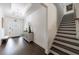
<point x="60" y="12"/>
<point x="33" y="8"/>
<point x="27" y="22"/>
<point x="39" y="25"/>
<point x="77" y="9"/>
<point x="52" y="23"/>
<point x="1" y="15"/>
<point x="44" y="25"/>
<point x="3" y="8"/>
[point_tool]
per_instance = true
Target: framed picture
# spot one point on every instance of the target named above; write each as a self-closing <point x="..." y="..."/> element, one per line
<point x="69" y="7"/>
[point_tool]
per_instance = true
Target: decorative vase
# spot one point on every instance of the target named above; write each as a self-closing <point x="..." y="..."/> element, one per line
<point x="29" y="29"/>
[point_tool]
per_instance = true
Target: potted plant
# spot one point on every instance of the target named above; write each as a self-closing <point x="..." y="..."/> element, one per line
<point x="29" y="29"/>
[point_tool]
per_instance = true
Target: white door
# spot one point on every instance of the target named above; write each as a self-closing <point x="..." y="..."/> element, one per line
<point x="13" y="27"/>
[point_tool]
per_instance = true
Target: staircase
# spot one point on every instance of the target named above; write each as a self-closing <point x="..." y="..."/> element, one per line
<point x="65" y="42"/>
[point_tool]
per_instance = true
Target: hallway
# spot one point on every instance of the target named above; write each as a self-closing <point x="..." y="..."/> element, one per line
<point x="51" y="27"/>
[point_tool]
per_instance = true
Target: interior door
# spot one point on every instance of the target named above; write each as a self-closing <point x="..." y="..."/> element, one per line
<point x="13" y="27"/>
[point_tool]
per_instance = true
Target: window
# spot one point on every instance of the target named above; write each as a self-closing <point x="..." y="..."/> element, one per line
<point x="69" y="7"/>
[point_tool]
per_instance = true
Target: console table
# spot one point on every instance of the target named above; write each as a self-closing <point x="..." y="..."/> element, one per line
<point x="28" y="36"/>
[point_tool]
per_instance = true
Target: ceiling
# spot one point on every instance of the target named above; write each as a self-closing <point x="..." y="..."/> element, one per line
<point x="18" y="9"/>
<point x="14" y="9"/>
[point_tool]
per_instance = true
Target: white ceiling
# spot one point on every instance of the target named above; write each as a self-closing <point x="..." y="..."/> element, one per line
<point x="18" y="9"/>
<point x="14" y="9"/>
<point x="33" y="8"/>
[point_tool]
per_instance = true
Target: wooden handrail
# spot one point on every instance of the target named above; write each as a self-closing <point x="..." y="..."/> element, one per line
<point x="76" y="18"/>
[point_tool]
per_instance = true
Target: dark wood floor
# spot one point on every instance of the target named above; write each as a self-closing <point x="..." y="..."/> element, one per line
<point x="18" y="46"/>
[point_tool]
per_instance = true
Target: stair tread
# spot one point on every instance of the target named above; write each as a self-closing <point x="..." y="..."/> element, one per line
<point x="67" y="32"/>
<point x="53" y="52"/>
<point x="67" y="23"/>
<point x="68" y="26"/>
<point x="67" y="47"/>
<point x="66" y="52"/>
<point x="72" y="42"/>
<point x="66" y="36"/>
<point x="67" y="29"/>
<point x="67" y="39"/>
<point x="58" y="51"/>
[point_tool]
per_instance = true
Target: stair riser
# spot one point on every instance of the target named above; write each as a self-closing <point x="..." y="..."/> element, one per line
<point x="58" y="52"/>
